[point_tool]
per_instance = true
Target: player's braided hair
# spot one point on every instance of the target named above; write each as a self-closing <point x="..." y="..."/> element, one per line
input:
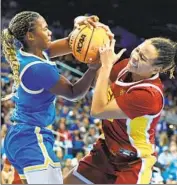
<point x="167" y="51"/>
<point x="20" y="24"/>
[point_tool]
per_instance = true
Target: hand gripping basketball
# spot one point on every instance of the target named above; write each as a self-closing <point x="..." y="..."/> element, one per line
<point x="85" y="42"/>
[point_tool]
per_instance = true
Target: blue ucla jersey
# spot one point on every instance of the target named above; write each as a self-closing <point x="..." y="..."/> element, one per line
<point x="34" y="104"/>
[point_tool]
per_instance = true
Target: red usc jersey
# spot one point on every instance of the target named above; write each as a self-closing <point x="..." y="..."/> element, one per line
<point x="142" y="102"/>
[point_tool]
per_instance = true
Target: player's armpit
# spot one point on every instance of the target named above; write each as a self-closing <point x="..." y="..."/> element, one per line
<point x="110" y="111"/>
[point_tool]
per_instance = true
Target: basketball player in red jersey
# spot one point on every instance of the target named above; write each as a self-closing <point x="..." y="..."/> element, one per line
<point x="128" y="98"/>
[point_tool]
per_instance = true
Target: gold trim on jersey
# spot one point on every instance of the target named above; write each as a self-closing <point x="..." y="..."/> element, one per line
<point x="137" y="130"/>
<point x="22" y="176"/>
<point x="145" y="173"/>
<point x="110" y="96"/>
<point x="47" y="160"/>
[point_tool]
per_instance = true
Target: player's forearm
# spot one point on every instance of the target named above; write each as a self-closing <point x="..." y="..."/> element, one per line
<point x="95" y="79"/>
<point x="59" y="47"/>
<point x="81" y="87"/>
<point x="100" y="99"/>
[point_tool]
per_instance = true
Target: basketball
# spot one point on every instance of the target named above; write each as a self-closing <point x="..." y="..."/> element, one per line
<point x="85" y="43"/>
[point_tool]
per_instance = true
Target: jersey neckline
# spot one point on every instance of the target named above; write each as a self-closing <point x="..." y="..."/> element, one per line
<point x="123" y="71"/>
<point x="46" y="60"/>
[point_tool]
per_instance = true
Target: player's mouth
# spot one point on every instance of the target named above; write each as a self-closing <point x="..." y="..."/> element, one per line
<point x="49" y="39"/>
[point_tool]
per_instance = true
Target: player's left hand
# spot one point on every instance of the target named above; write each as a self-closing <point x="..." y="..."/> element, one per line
<point x="86" y="20"/>
<point x="107" y="55"/>
<point x="92" y="21"/>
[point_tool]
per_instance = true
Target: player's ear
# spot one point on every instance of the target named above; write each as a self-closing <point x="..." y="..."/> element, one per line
<point x="30" y="36"/>
<point x="157" y="70"/>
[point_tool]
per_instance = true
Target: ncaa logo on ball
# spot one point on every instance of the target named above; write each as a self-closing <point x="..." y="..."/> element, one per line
<point x="80" y="43"/>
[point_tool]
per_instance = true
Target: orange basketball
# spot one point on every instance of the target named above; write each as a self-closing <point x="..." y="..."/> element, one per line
<point x="85" y="43"/>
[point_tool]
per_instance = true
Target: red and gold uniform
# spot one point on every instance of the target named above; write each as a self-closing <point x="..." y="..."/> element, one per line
<point x="125" y="153"/>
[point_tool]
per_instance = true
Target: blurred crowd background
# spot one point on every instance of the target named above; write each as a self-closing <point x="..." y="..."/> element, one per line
<point x="74" y="129"/>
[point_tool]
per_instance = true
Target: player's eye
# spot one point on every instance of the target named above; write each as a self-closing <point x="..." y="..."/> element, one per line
<point x="137" y="50"/>
<point x="141" y="57"/>
<point x="45" y="28"/>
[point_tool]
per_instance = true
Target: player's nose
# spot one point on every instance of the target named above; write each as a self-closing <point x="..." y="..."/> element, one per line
<point x="135" y="56"/>
<point x="50" y="33"/>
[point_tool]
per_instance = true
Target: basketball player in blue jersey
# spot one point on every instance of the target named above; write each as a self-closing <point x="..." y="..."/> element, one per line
<point x="29" y="144"/>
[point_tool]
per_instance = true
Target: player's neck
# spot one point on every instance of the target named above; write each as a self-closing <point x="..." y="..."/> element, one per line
<point x="136" y="77"/>
<point x="35" y="51"/>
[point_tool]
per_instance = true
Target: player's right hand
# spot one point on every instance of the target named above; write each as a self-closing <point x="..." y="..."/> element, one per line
<point x="107" y="55"/>
<point x="107" y="29"/>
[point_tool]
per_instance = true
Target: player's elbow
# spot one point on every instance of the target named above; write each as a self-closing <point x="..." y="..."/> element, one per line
<point x="77" y="93"/>
<point x="94" y="112"/>
<point x="75" y="98"/>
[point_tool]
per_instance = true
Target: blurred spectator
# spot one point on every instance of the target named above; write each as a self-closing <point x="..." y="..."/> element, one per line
<point x="172" y="178"/>
<point x="156" y="176"/>
<point x="78" y="144"/>
<point x="170" y="173"/>
<point x="173" y="150"/>
<point x="163" y="141"/>
<point x="165" y="158"/>
<point x="63" y="131"/>
<point x="91" y="136"/>
<point x="169" y="100"/>
<point x="65" y="171"/>
<point x="7" y="174"/>
<point x="68" y="164"/>
<point x="75" y="160"/>
<point x="174" y="138"/>
<point x="59" y="153"/>
<point x="3" y="134"/>
<point x="10" y="174"/>
<point x="64" y="112"/>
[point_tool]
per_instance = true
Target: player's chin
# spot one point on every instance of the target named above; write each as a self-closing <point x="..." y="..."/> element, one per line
<point x="47" y="44"/>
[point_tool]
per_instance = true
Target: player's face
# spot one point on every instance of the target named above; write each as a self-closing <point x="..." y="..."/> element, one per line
<point x="142" y="59"/>
<point x="42" y="34"/>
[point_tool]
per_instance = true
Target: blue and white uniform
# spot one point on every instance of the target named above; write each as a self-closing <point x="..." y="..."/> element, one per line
<point x="29" y="144"/>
